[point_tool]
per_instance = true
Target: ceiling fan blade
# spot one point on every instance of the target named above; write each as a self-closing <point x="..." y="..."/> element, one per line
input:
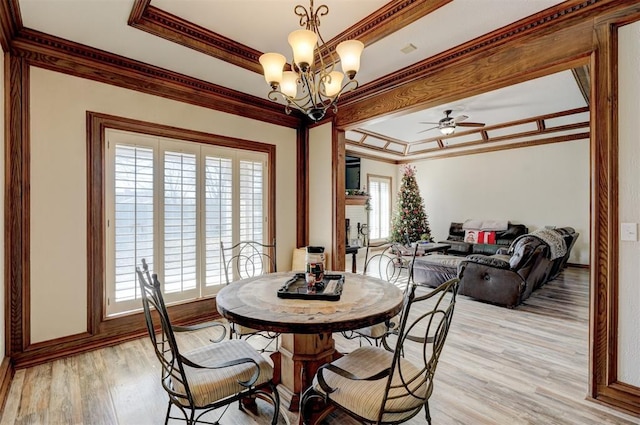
<point x="426" y="122"/>
<point x="460" y="118"/>
<point x="422" y="131"/>
<point x="470" y="124"/>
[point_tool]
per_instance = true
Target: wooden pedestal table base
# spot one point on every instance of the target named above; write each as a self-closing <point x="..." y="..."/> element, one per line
<point x="298" y="359"/>
<point x="306" y="325"/>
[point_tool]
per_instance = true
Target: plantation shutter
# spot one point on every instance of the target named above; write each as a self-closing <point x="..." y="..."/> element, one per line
<point x="218" y="215"/>
<point x="172" y="202"/>
<point x="251" y="201"/>
<point x="133" y="218"/>
<point x="180" y="222"/>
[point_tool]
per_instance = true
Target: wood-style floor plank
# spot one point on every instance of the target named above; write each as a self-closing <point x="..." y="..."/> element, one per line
<point x="519" y="366"/>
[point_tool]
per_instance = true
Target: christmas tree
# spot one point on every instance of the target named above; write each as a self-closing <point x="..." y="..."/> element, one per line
<point x="409" y="218"/>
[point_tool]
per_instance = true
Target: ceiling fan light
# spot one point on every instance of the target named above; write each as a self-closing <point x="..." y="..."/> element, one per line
<point x="447" y="130"/>
<point x="333" y="83"/>
<point x="272" y="65"/>
<point x="303" y="43"/>
<point x="349" y="52"/>
<point x="289" y="85"/>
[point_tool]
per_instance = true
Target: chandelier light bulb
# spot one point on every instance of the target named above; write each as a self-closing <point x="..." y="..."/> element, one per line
<point x="272" y="65"/>
<point x="349" y="52"/>
<point x="333" y="83"/>
<point x="289" y="85"/>
<point x="303" y="43"/>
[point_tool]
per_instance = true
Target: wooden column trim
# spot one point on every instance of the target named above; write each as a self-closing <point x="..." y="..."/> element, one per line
<point x="302" y="186"/>
<point x="338" y="184"/>
<point x="17" y="203"/>
<point x="604" y="314"/>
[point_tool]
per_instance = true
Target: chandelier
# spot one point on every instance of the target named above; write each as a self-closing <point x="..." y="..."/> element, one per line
<point x="313" y="85"/>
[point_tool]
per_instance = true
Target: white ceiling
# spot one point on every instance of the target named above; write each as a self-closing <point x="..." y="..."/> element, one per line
<point x="524" y="100"/>
<point x="265" y="24"/>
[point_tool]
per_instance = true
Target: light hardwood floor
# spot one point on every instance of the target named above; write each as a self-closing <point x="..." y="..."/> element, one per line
<point x="499" y="366"/>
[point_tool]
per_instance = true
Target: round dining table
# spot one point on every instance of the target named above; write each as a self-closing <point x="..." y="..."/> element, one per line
<point x="306" y="325"/>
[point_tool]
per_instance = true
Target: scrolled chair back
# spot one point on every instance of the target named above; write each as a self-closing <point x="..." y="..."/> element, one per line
<point x="164" y="343"/>
<point x="379" y="385"/>
<point x="247" y="259"/>
<point x="387" y="260"/>
<point x="425" y="323"/>
<point x="204" y="378"/>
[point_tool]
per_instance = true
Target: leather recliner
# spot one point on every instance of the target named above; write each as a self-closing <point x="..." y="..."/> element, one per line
<point x="506" y="279"/>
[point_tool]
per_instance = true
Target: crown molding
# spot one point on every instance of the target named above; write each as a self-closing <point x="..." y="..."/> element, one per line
<point x="533" y="24"/>
<point x="388" y="19"/>
<point x="10" y="22"/>
<point x="56" y="54"/>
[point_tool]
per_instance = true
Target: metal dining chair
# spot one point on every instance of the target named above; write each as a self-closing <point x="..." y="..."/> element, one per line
<point x="393" y="263"/>
<point x="244" y="260"/>
<point x="377" y="385"/>
<point x="208" y="377"/>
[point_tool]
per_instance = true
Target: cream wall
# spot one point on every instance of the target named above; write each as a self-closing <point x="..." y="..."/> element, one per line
<point x="58" y="184"/>
<point x="2" y="283"/>
<point x="320" y="191"/>
<point x="629" y="203"/>
<point x="536" y="186"/>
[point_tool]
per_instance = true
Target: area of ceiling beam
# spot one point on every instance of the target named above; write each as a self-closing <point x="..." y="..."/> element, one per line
<point x="538" y="121"/>
<point x="490" y="41"/>
<point x="450" y="153"/>
<point x="173" y="28"/>
<point x="581" y="74"/>
<point x="388" y="19"/>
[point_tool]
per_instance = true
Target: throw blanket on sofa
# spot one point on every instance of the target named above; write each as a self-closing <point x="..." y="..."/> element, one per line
<point x="557" y="246"/>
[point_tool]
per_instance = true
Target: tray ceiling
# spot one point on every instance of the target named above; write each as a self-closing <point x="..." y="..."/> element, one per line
<point x="435" y="26"/>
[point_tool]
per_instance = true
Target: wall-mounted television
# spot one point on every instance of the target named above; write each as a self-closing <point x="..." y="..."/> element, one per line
<point x="352" y="174"/>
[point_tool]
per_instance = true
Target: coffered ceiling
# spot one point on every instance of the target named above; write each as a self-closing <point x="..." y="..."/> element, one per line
<point x="218" y="41"/>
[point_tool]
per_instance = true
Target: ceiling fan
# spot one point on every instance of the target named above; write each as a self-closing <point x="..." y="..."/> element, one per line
<point x="448" y="124"/>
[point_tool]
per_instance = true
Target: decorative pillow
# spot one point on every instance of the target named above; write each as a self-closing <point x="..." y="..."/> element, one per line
<point x="479" y="236"/>
<point x="471" y="236"/>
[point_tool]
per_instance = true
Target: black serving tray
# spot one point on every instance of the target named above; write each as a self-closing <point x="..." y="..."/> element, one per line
<point x="329" y="289"/>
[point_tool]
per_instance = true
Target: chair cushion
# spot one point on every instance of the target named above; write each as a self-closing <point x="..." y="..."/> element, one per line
<point x="210" y="385"/>
<point x="364" y="398"/>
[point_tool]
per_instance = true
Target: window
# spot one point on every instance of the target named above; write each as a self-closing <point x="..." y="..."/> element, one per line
<point x="380" y="214"/>
<point x="172" y="202"/>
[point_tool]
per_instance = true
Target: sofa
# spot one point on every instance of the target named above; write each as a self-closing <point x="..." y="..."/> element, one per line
<point x="503" y="239"/>
<point x="509" y="276"/>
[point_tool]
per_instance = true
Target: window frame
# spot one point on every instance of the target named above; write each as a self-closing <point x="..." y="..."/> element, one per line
<point x="98" y="323"/>
<point x="388" y="179"/>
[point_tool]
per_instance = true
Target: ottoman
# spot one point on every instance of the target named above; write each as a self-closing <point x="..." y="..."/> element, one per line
<point x="435" y="269"/>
